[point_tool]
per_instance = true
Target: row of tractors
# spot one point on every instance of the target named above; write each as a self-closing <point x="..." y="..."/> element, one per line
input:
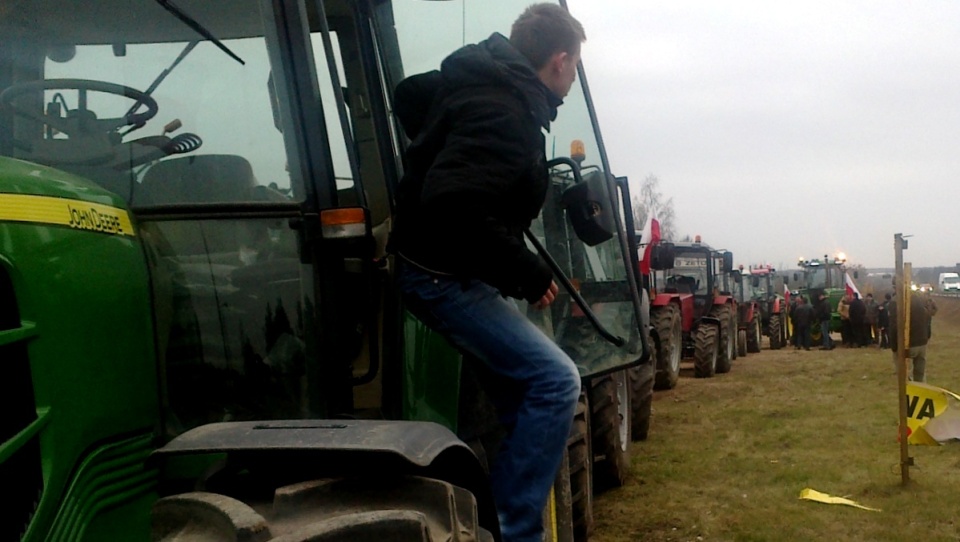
<point x="705" y="310"/>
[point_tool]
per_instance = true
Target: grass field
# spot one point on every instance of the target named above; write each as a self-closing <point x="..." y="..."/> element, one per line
<point x="728" y="456"/>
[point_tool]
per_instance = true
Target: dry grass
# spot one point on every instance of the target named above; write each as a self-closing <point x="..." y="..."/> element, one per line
<point x="728" y="456"/>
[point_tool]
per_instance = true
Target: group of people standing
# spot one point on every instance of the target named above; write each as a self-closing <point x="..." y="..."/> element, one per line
<point x="863" y="322"/>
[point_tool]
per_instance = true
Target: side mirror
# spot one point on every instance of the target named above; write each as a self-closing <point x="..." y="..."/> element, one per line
<point x="588" y="208"/>
<point x="796" y="277"/>
<point x="662" y="256"/>
<point x="727" y="261"/>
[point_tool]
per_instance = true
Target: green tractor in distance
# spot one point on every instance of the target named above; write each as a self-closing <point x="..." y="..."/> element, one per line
<point x="197" y="313"/>
<point x="818" y="276"/>
<point x="767" y="289"/>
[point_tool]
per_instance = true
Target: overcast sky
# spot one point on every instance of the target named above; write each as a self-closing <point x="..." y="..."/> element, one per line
<point x="787" y="129"/>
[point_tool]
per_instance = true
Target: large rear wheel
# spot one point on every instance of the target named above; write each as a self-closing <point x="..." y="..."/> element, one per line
<point x="777" y="332"/>
<point x="816" y="334"/>
<point x="610" y="429"/>
<point x="641" y="399"/>
<point x="581" y="481"/>
<point x="705" y="351"/>
<point x="666" y="323"/>
<point x="742" y="342"/>
<point x="404" y="508"/>
<point x="754" y="335"/>
<point x="726" y="338"/>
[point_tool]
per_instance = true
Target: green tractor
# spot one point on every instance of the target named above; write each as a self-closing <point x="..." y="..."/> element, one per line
<point x="197" y="312"/>
<point x="823" y="276"/>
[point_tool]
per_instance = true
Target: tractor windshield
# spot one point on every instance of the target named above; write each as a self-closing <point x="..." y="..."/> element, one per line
<point x="187" y="120"/>
<point x="689" y="274"/>
<point x="823" y="276"/>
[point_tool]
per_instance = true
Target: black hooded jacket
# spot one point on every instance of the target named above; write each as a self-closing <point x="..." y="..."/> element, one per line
<point x="476" y="171"/>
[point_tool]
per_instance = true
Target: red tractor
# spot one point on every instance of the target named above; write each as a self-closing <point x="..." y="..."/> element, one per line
<point x="767" y="289"/>
<point x="690" y="315"/>
<point x="748" y="313"/>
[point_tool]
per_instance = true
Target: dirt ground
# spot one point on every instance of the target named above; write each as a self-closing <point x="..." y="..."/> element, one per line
<point x="727" y="456"/>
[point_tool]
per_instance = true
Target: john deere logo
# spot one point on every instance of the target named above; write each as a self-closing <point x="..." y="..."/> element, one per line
<point x="91" y="219"/>
<point x="77" y="215"/>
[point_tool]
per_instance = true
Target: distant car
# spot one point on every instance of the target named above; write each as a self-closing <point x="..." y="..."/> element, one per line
<point x="925" y="287"/>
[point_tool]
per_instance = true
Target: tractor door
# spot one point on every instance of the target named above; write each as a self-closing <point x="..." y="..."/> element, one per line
<point x="255" y="157"/>
<point x="610" y="334"/>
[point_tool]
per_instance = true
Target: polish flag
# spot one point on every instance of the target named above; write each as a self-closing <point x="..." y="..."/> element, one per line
<point x="649" y="237"/>
<point x="786" y="292"/>
<point x="850" y="286"/>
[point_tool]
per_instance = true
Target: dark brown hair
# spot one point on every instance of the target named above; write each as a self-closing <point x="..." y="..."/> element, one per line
<point x="543" y="30"/>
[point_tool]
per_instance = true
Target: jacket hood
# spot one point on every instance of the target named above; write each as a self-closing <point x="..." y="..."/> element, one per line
<point x="495" y="61"/>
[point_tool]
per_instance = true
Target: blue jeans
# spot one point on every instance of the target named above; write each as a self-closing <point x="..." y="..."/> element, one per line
<point x="825" y="331"/>
<point x="477" y="320"/>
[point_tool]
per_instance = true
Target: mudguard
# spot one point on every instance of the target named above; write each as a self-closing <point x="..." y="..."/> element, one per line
<point x="313" y="449"/>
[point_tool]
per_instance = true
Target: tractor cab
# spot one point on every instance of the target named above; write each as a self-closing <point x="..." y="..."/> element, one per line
<point x="195" y="202"/>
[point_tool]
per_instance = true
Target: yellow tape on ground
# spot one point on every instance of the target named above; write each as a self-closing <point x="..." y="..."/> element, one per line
<point x="814" y="495"/>
<point x="80" y="215"/>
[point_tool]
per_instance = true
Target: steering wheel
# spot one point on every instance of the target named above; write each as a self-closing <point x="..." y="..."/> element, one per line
<point x="80" y="121"/>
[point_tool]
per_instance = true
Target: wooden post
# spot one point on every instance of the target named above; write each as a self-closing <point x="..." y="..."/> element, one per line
<point x="902" y="299"/>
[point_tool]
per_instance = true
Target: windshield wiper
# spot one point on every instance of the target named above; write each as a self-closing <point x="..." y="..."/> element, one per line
<point x="156" y="82"/>
<point x="192" y="23"/>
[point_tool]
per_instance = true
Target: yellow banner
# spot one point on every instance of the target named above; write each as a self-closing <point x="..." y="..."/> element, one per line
<point x="80" y="215"/>
<point x="933" y="414"/>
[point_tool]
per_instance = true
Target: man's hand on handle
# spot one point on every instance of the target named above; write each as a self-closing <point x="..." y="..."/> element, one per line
<point x="547" y="297"/>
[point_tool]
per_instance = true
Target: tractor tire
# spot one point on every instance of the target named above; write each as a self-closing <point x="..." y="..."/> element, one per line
<point x="742" y="342"/>
<point x="777" y="332"/>
<point x="705" y="351"/>
<point x="726" y="339"/>
<point x="558" y="513"/>
<point x="641" y="399"/>
<point x="610" y="430"/>
<point x="404" y="508"/>
<point x="816" y="334"/>
<point x="666" y="323"/>
<point x="754" y="336"/>
<point x="579" y="456"/>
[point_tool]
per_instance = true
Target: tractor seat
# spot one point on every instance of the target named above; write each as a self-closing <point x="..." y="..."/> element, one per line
<point x="206" y="178"/>
<point x="210" y="178"/>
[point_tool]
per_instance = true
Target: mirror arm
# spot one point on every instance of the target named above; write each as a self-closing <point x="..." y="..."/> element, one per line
<point x="567" y="285"/>
<point x="563" y="160"/>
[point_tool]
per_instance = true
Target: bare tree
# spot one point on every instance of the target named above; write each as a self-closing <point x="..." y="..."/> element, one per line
<point x="649" y="198"/>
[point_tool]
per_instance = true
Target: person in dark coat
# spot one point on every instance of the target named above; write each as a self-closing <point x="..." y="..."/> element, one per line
<point x="922" y="310"/>
<point x="858" y="319"/>
<point x="872" y="328"/>
<point x="802" y="319"/>
<point x="823" y="315"/>
<point x="475" y="178"/>
<point x="883" y="321"/>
